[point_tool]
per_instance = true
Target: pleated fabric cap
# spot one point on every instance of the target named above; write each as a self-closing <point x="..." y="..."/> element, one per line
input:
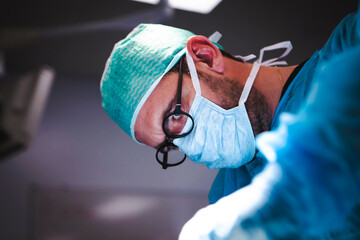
<point x="135" y="67"/>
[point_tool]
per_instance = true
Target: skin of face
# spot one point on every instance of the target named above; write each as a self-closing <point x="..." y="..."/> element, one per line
<point x="148" y="125"/>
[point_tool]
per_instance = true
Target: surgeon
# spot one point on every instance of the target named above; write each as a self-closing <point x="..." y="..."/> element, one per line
<point x="168" y="88"/>
<point x="310" y="188"/>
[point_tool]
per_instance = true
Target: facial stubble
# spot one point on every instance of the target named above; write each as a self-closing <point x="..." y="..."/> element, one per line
<point x="229" y="90"/>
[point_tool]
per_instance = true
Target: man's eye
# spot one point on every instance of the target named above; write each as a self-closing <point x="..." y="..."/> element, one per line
<point x="177" y="120"/>
<point x="175" y="124"/>
<point x="176" y="117"/>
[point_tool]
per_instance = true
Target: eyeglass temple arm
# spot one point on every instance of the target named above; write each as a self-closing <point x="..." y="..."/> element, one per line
<point x="164" y="165"/>
<point x="179" y="87"/>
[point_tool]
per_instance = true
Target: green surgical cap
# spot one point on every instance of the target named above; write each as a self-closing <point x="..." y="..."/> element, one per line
<point x="135" y="67"/>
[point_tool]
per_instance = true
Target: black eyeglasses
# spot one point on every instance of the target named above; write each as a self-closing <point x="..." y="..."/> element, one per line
<point x="167" y="154"/>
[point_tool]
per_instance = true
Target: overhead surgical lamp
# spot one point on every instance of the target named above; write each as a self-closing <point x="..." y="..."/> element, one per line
<point x="199" y="6"/>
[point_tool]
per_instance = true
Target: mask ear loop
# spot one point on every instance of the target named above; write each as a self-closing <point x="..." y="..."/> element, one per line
<point x="246" y="58"/>
<point x="249" y="82"/>
<point x="258" y="63"/>
<point x="215" y="37"/>
<point x="193" y="73"/>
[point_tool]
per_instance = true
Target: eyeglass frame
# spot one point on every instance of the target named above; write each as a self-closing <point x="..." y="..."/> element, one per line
<point x="170" y="137"/>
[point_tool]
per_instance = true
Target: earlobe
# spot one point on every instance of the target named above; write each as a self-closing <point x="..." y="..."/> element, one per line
<point x="202" y="50"/>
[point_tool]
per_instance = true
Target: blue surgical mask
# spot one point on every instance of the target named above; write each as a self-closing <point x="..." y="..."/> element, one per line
<point x="222" y="138"/>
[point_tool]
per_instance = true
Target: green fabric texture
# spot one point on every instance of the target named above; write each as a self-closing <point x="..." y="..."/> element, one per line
<point x="135" y="67"/>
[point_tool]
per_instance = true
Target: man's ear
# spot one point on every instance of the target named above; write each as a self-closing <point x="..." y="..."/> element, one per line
<point x="202" y="50"/>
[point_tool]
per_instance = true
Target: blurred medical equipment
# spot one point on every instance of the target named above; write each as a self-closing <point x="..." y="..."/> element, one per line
<point x="22" y="104"/>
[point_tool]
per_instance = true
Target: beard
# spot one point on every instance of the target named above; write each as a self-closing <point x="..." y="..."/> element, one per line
<point x="258" y="111"/>
<point x="229" y="91"/>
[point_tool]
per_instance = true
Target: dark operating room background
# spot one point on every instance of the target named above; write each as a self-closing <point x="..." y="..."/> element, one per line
<point x="79" y="160"/>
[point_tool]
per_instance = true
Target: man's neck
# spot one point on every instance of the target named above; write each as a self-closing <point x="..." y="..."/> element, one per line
<point x="270" y="82"/>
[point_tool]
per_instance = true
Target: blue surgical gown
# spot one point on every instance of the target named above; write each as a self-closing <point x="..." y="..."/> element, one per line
<point x="326" y="135"/>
